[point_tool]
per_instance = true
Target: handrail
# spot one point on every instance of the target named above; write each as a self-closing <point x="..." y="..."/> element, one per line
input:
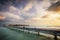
<point x="53" y="32"/>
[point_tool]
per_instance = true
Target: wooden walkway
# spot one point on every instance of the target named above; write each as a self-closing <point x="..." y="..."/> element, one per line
<point x="53" y="31"/>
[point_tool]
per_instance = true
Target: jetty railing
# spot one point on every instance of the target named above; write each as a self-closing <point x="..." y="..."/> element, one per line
<point x="38" y="30"/>
<point x="50" y="31"/>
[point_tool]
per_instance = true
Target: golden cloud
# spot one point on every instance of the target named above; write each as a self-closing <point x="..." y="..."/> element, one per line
<point x="57" y="9"/>
<point x="2" y="17"/>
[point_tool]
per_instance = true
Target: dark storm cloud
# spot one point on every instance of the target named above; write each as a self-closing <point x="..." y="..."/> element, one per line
<point x="54" y="6"/>
<point x="4" y="4"/>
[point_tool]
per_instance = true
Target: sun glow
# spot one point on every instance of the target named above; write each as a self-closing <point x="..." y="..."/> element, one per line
<point x="2" y="17"/>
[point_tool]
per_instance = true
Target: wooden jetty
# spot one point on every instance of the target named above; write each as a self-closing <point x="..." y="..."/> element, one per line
<point x="51" y="30"/>
<point x="55" y="31"/>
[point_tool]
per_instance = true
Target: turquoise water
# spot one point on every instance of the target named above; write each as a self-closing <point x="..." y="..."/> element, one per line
<point x="8" y="34"/>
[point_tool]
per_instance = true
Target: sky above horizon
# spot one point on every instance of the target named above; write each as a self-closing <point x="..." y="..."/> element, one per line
<point x="32" y="12"/>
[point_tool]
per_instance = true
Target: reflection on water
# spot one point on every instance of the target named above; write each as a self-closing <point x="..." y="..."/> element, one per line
<point x="8" y="34"/>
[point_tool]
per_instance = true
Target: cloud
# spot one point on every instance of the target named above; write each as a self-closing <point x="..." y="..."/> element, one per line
<point x="28" y="6"/>
<point x="12" y="9"/>
<point x="55" y="7"/>
<point x="2" y="17"/>
<point x="14" y="16"/>
<point x="33" y="12"/>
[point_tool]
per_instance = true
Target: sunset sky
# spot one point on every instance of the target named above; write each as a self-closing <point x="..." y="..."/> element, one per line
<point x="32" y="12"/>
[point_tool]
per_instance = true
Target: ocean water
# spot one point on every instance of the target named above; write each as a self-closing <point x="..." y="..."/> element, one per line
<point x="8" y="34"/>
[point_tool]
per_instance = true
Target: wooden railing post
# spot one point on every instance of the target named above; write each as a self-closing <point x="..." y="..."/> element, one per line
<point x="55" y="35"/>
<point x="38" y="33"/>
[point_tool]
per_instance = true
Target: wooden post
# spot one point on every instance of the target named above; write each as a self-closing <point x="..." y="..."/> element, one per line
<point x="38" y="33"/>
<point x="28" y="31"/>
<point x="55" y="35"/>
